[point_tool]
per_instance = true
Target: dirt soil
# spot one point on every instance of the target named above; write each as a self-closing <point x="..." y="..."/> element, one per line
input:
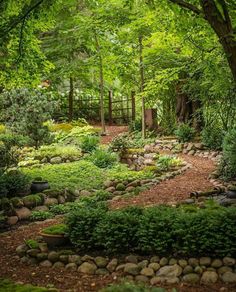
<point x="111" y="132"/>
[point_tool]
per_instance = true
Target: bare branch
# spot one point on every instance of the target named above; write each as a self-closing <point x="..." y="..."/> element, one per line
<point x="188" y="6"/>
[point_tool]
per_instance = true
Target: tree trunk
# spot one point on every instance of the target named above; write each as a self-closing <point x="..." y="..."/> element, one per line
<point x="224" y="30"/>
<point x="187" y="109"/>
<point x="141" y="67"/>
<point x="101" y="77"/>
<point x="71" y="99"/>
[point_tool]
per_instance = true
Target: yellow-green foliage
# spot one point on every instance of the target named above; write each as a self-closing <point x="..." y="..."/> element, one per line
<point x="2" y="129"/>
<point x="64" y="127"/>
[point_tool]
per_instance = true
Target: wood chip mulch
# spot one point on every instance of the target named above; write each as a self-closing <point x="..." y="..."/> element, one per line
<point x="176" y="189"/>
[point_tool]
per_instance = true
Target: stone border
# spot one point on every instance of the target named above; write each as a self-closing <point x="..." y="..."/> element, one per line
<point x="153" y="270"/>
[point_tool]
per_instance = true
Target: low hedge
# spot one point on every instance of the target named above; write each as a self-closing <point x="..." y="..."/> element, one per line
<point x="158" y="230"/>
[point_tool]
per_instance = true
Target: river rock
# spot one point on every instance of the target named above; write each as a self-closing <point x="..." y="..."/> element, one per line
<point x="101" y="262"/>
<point x="191" y="278"/>
<point x="143" y="264"/>
<point x="163" y="262"/>
<point x="154" y="259"/>
<point x="229" y="277"/>
<point x="132" y="259"/>
<point x="188" y="270"/>
<point x="53" y="256"/>
<point x="87" y="268"/>
<point x="12" y="220"/>
<point x="217" y="263"/>
<point x="71" y="267"/>
<point x="75" y="259"/>
<point x="50" y="202"/>
<point x="170" y="271"/>
<point x="33" y="252"/>
<point x="224" y="269"/>
<point x="23" y="213"/>
<point x="148" y="272"/>
<point x="183" y="263"/>
<point x="132" y="269"/>
<point x="41" y="208"/>
<point x="21" y="250"/>
<point x="228" y="261"/>
<point x="112" y="265"/>
<point x="46" y="264"/>
<point x="205" y="261"/>
<point x="141" y="279"/>
<point x="58" y="265"/>
<point x="56" y="160"/>
<point x="209" y="277"/>
<point x="101" y="272"/>
<point x="154" y="266"/>
<point x="193" y="262"/>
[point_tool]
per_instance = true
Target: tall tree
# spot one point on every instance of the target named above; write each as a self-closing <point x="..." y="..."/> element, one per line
<point x="221" y="16"/>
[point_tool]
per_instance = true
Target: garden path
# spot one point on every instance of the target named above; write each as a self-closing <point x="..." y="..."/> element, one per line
<point x="169" y="191"/>
<point x="175" y="189"/>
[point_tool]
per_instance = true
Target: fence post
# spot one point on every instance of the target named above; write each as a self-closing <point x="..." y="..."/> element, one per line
<point x="133" y="105"/>
<point x="110" y="107"/>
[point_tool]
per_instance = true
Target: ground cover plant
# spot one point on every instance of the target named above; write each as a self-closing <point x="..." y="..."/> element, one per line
<point x="9" y="286"/>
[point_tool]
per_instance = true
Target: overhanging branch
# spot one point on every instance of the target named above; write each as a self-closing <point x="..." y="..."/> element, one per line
<point x="10" y="26"/>
<point x="188" y="6"/>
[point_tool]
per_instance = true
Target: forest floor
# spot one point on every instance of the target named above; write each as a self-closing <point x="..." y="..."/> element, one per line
<point x="178" y="188"/>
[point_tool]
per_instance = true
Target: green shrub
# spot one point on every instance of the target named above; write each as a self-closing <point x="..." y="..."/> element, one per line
<point x="120" y="143"/>
<point x="58" y="229"/>
<point x="26" y="110"/>
<point x="103" y="159"/>
<point x="212" y="137"/>
<point x="81" y="225"/>
<point x="135" y="125"/>
<point x="165" y="162"/>
<point x="227" y="166"/>
<point x="89" y="143"/>
<point x="185" y="133"/>
<point x="64" y="208"/>
<point x="161" y="230"/>
<point x="40" y="215"/>
<point x="118" y="229"/>
<point x="13" y="183"/>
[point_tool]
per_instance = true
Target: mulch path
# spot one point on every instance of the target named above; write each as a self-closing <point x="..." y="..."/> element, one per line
<point x="176" y="189"/>
<point x="169" y="191"/>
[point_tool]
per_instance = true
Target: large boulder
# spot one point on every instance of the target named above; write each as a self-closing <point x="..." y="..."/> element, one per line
<point x="23" y="213"/>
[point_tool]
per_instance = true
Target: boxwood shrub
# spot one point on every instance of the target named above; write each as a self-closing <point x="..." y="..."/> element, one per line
<point x="156" y="230"/>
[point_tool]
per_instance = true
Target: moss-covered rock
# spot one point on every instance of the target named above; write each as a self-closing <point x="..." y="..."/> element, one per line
<point x="32" y="201"/>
